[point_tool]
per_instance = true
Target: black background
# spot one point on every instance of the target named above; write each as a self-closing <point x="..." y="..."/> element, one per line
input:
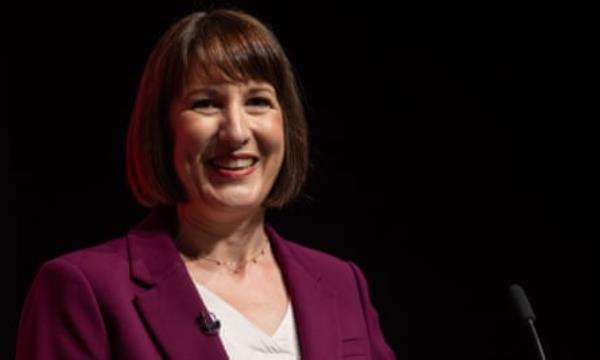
<point x="452" y="146"/>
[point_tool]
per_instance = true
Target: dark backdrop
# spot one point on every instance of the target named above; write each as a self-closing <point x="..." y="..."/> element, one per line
<point x="452" y="152"/>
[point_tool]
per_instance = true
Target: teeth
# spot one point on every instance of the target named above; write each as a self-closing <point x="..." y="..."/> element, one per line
<point x="233" y="163"/>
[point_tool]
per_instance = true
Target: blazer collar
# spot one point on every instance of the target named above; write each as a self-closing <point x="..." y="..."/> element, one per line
<point x="314" y="304"/>
<point x="171" y="304"/>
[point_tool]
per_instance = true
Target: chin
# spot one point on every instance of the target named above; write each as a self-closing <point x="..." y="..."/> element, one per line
<point x="237" y="201"/>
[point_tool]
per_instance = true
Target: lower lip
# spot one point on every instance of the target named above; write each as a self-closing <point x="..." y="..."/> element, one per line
<point x="235" y="174"/>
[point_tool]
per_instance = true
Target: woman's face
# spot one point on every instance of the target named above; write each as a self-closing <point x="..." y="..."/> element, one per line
<point x="228" y="143"/>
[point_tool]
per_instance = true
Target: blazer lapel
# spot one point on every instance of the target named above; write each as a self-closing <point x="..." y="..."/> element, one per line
<point x="171" y="305"/>
<point x="314" y="305"/>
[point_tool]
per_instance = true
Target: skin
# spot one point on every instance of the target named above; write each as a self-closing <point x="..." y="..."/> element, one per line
<point x="224" y="216"/>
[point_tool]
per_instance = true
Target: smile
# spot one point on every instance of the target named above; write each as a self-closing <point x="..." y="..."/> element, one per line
<point x="233" y="166"/>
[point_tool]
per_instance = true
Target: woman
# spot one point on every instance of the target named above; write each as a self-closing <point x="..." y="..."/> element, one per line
<point x="217" y="136"/>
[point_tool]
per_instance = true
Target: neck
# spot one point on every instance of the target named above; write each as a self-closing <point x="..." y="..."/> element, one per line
<point x="232" y="239"/>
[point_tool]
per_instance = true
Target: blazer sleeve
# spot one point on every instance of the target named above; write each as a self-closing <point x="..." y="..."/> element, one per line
<point x="380" y="350"/>
<point x="61" y="318"/>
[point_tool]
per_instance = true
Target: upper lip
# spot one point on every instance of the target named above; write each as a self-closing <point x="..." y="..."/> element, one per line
<point x="235" y="156"/>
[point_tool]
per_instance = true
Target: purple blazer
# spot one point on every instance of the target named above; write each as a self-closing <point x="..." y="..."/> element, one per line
<point x="132" y="298"/>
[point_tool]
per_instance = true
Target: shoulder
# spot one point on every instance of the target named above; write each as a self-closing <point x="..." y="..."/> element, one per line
<point x="335" y="272"/>
<point x="107" y="254"/>
<point x="315" y="257"/>
<point x="97" y="264"/>
<point x="62" y="314"/>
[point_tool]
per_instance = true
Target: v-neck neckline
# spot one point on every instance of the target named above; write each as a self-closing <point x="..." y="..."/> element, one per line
<point x="236" y="313"/>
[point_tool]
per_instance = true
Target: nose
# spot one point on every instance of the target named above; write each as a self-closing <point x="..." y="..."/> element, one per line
<point x="234" y="130"/>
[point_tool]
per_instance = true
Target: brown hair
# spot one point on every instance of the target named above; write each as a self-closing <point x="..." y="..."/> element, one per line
<point x="224" y="45"/>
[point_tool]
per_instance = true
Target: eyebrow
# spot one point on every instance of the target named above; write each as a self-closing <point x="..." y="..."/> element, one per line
<point x="202" y="90"/>
<point x="257" y="89"/>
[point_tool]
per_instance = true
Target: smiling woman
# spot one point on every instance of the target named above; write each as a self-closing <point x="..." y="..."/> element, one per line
<point x="217" y="137"/>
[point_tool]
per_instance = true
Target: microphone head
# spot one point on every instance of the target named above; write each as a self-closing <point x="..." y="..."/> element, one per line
<point x="522" y="302"/>
<point x="209" y="323"/>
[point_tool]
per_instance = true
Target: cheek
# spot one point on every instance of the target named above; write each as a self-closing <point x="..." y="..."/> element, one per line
<point x="190" y="140"/>
<point x="272" y="135"/>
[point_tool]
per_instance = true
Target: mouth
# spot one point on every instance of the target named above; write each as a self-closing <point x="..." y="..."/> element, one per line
<point x="234" y="165"/>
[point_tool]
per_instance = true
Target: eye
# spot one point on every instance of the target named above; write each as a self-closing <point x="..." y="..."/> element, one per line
<point x="203" y="104"/>
<point x="259" y="101"/>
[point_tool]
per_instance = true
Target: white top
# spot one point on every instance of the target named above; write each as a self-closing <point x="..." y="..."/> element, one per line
<point x="243" y="340"/>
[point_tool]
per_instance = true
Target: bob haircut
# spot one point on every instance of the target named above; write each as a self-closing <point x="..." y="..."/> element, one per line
<point x="221" y="45"/>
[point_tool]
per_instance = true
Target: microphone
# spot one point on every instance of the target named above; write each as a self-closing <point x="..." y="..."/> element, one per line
<point x="209" y="323"/>
<point x="526" y="313"/>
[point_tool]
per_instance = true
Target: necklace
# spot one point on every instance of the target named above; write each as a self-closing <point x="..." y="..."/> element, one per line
<point x="233" y="266"/>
